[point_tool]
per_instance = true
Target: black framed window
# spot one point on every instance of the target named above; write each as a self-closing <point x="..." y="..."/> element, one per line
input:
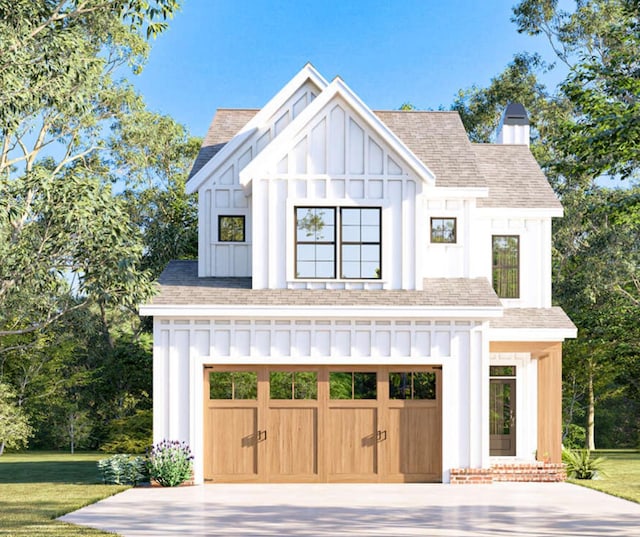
<point x="231" y="228"/>
<point x="315" y="242"/>
<point x="443" y="230"/>
<point x="360" y="242"/>
<point x="506" y="265"/>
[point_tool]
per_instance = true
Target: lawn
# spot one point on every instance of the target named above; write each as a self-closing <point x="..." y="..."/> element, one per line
<point x="622" y="477"/>
<point x="37" y="487"/>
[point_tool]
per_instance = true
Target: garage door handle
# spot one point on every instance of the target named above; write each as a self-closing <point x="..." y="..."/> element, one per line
<point x="261" y="438"/>
<point x="381" y="435"/>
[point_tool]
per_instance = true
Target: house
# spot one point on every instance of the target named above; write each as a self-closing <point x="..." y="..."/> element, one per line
<point x="371" y="301"/>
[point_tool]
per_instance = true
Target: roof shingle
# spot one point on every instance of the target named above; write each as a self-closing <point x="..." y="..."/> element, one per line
<point x="179" y="285"/>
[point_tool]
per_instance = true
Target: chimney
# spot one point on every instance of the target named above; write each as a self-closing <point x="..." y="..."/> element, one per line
<point x="514" y="125"/>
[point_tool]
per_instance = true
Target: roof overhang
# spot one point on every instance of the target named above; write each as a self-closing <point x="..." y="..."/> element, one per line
<point x="524" y="212"/>
<point x="307" y="73"/>
<point x="287" y="138"/>
<point x="532" y="334"/>
<point x="319" y="312"/>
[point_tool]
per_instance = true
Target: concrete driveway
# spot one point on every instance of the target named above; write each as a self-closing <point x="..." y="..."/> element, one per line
<point x="501" y="509"/>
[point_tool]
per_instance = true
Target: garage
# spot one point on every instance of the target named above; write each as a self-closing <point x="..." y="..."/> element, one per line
<point x="322" y="424"/>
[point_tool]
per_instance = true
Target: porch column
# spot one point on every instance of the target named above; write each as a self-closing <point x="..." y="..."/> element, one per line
<point x="550" y="404"/>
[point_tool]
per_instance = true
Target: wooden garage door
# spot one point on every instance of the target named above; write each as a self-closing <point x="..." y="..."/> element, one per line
<point x="322" y="424"/>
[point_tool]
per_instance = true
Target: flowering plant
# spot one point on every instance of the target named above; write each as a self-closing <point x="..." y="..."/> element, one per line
<point x="170" y="463"/>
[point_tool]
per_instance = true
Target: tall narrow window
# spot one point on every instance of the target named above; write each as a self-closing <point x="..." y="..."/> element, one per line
<point x="506" y="265"/>
<point x="315" y="242"/>
<point x="360" y="242"/>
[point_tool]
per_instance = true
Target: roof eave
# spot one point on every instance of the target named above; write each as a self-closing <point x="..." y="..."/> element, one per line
<point x="532" y="334"/>
<point x="308" y="72"/>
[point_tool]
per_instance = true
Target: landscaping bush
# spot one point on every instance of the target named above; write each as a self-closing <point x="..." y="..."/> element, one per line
<point x="170" y="463"/>
<point x="580" y="465"/>
<point x="123" y="469"/>
<point x="131" y="434"/>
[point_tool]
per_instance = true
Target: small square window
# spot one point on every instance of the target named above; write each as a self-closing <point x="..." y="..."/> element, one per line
<point x="443" y="230"/>
<point x="230" y="228"/>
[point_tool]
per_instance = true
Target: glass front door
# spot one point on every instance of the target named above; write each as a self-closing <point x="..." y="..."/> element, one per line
<point x="502" y="411"/>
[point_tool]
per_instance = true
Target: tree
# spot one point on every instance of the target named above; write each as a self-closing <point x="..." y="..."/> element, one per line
<point x="14" y="426"/>
<point x="64" y="240"/>
<point x="599" y="42"/>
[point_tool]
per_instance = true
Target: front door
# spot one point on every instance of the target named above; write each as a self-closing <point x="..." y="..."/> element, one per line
<point x="502" y="416"/>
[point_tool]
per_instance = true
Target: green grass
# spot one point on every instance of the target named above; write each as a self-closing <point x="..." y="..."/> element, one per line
<point x="622" y="477"/>
<point x="38" y="487"/>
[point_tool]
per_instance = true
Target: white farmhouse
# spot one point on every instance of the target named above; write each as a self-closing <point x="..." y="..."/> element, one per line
<point x="371" y="302"/>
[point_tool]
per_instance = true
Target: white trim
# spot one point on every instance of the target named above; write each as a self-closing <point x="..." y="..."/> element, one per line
<point x="277" y="148"/>
<point x="243" y="311"/>
<point x="308" y="72"/>
<point x="447" y="193"/>
<point x="532" y="334"/>
<point x="520" y="212"/>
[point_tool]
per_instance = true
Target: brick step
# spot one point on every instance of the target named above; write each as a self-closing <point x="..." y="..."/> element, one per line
<point x="536" y="472"/>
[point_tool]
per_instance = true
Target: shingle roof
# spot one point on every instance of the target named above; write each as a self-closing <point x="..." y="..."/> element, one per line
<point x="179" y="285"/>
<point x="513" y="177"/>
<point x="440" y="141"/>
<point x="545" y="318"/>
<point x="226" y="123"/>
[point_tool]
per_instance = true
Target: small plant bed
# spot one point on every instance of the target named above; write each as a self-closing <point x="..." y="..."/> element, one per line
<point x="620" y="477"/>
<point x="38" y="487"/>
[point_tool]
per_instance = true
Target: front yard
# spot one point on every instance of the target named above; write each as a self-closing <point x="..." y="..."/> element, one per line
<point x="622" y="477"/>
<point x="37" y="487"/>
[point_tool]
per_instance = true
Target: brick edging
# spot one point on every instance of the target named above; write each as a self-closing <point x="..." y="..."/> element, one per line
<point x="538" y="472"/>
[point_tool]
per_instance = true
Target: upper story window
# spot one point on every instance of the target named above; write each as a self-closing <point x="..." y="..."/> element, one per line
<point x="317" y="253"/>
<point x="443" y="230"/>
<point x="231" y="228"/>
<point x="506" y="265"/>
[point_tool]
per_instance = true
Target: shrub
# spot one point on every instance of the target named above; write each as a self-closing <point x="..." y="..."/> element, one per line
<point x="580" y="465"/>
<point x="170" y="463"/>
<point x="131" y="434"/>
<point x="123" y="469"/>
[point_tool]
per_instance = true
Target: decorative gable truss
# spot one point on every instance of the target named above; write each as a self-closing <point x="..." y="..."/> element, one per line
<point x="217" y="181"/>
<point x="336" y="154"/>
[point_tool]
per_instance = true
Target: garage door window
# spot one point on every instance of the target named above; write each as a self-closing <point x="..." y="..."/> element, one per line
<point x="233" y="385"/>
<point x="293" y="385"/>
<point x="412" y="385"/>
<point x="352" y="385"/>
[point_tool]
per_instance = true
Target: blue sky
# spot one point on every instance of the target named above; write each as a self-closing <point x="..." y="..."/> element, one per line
<point x="239" y="53"/>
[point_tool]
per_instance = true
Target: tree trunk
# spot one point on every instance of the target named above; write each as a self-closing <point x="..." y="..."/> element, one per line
<point x="72" y="433"/>
<point x="591" y="442"/>
<point x="1" y="447"/>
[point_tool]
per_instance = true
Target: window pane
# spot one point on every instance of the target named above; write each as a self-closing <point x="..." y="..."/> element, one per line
<point x="325" y="270"/>
<point x="306" y="252"/>
<point x="370" y="217"/>
<point x="370" y="252"/>
<point x="370" y="234"/>
<point x="325" y="252"/>
<point x="306" y="269"/>
<point x="502" y="371"/>
<point x="340" y="385"/>
<point x="443" y="230"/>
<point x="245" y="385"/>
<point x="364" y="386"/>
<point x="305" y="385"/>
<point x="370" y="270"/>
<point x="280" y="384"/>
<point x="505" y="270"/>
<point x="351" y="217"/>
<point x="424" y="385"/>
<point x="351" y="269"/>
<point x="399" y="385"/>
<point x="231" y="228"/>
<point x="350" y="233"/>
<point x="351" y="252"/>
<point x="220" y="385"/>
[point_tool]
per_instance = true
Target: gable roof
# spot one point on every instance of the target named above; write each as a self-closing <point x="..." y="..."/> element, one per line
<point x="306" y="74"/>
<point x="337" y="88"/>
<point x="179" y="285"/>
<point x="226" y="123"/>
<point x="513" y="177"/>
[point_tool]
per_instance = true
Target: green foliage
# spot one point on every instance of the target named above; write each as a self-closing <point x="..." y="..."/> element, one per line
<point x="170" y="463"/>
<point x="580" y="464"/>
<point x="123" y="470"/>
<point x="131" y="434"/>
<point x="14" y="426"/>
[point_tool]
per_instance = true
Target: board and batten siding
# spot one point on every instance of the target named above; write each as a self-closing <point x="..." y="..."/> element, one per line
<point x="183" y="347"/>
<point x="337" y="161"/>
<point x="221" y="193"/>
